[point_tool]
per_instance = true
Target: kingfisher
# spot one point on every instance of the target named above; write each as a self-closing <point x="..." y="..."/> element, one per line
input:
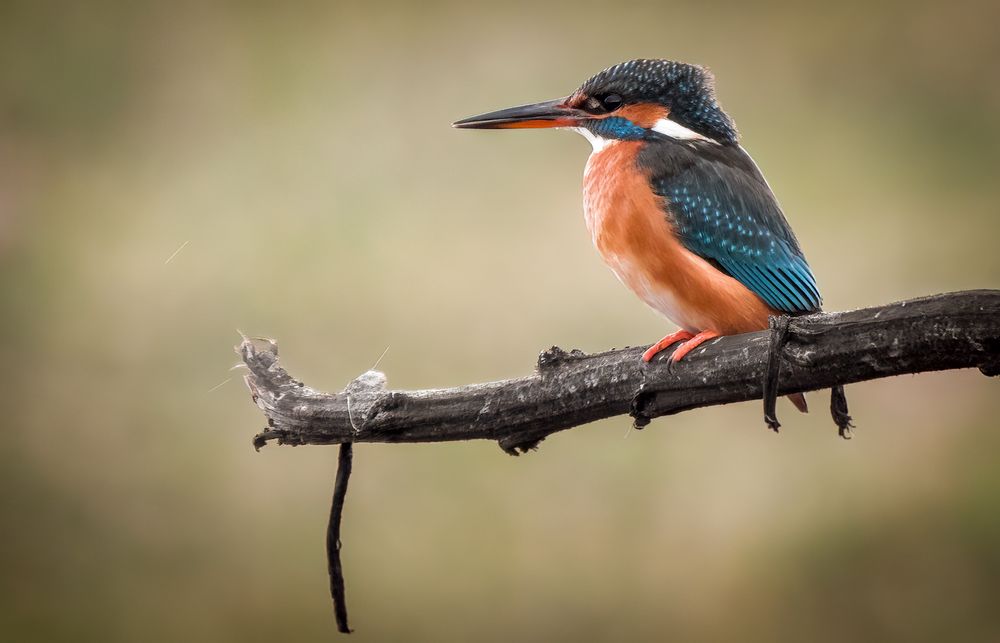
<point x="675" y="206"/>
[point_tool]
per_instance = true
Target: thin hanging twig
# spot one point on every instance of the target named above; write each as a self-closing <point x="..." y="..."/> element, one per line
<point x="333" y="536"/>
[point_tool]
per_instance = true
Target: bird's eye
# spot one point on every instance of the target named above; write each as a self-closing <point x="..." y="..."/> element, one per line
<point x="611" y="102"/>
<point x="602" y="103"/>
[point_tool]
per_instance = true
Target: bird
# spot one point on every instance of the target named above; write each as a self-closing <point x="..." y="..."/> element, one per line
<point x="675" y="205"/>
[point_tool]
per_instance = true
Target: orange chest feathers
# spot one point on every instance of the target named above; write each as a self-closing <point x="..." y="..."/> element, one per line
<point x="635" y="239"/>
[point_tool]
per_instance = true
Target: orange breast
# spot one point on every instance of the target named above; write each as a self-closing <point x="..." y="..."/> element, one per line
<point x="635" y="239"/>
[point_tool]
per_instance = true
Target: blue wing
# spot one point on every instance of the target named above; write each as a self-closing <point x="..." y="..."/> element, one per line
<point x="723" y="210"/>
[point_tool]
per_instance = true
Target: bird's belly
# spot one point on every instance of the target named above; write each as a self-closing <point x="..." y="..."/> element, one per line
<point x="634" y="238"/>
<point x="659" y="296"/>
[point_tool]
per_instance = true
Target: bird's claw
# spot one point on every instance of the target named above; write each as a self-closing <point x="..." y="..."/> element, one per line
<point x="690" y="342"/>
<point x="665" y="343"/>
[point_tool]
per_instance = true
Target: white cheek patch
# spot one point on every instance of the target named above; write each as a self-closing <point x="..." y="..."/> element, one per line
<point x="673" y="129"/>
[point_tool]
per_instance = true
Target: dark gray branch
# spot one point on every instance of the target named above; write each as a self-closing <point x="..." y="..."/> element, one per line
<point x="955" y="330"/>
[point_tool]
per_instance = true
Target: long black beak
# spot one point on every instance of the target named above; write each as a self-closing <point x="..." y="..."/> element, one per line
<point x="551" y="113"/>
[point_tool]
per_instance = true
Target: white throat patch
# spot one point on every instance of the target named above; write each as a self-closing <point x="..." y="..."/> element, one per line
<point x="598" y="142"/>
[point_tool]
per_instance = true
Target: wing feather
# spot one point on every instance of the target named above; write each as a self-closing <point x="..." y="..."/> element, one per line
<point x="723" y="210"/>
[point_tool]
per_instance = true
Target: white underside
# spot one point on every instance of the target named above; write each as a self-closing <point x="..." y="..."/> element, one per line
<point x="661" y="300"/>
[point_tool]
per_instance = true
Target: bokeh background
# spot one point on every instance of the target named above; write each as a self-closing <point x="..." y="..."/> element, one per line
<point x="298" y="159"/>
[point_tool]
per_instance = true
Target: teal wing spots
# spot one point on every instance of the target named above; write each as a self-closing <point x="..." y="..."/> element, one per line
<point x="728" y="215"/>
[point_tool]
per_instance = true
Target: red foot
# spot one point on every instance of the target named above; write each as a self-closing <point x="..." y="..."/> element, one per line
<point x="672" y="338"/>
<point x="693" y="342"/>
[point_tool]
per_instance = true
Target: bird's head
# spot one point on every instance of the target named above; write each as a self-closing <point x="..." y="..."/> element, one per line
<point x="633" y="100"/>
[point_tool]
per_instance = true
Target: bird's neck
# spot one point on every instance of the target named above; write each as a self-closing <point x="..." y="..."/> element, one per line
<point x="607" y="131"/>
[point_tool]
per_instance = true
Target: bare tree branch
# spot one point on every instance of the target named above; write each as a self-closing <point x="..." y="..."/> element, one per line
<point x="955" y="330"/>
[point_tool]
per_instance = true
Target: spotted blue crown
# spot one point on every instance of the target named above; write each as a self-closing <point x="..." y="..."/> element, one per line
<point x="686" y="90"/>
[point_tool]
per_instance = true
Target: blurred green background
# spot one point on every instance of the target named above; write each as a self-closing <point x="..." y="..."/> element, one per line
<point x="302" y="152"/>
